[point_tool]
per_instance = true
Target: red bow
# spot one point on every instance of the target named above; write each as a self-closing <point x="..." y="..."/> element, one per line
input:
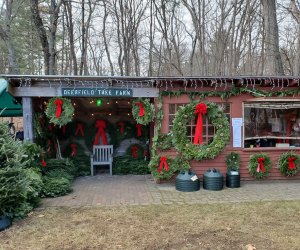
<point x="122" y="127"/>
<point x="139" y="129"/>
<point x="44" y="164"/>
<point x="101" y="125"/>
<point x="142" y="111"/>
<point x="79" y="128"/>
<point x="292" y="165"/>
<point x="260" y="165"/>
<point x="201" y="109"/>
<point x="163" y="163"/>
<point x="73" y="147"/>
<point x="58" y="103"/>
<point x="134" y="151"/>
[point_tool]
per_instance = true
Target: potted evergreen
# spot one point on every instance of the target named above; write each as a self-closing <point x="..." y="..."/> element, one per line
<point x="233" y="161"/>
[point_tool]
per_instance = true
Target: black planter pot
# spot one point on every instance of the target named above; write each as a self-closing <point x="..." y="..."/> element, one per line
<point x="5" y="223"/>
<point x="213" y="180"/>
<point x="187" y="182"/>
<point x="233" y="179"/>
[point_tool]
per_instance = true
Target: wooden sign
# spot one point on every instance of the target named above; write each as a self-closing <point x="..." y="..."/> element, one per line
<point x="96" y="92"/>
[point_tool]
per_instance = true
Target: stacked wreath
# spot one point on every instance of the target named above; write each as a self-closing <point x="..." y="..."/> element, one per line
<point x="259" y="165"/>
<point x="143" y="111"/>
<point x="183" y="143"/>
<point x="164" y="167"/>
<point x="289" y="163"/>
<point x="59" y="111"/>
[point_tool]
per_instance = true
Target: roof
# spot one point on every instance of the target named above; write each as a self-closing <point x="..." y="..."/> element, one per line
<point x="8" y="105"/>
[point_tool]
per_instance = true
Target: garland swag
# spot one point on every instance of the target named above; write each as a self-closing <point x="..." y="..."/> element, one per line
<point x="259" y="165"/>
<point x="289" y="163"/>
<point x="60" y="111"/>
<point x="143" y="111"/>
<point x="200" y="152"/>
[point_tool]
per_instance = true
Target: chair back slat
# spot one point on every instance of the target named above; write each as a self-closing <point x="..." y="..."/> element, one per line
<point x="102" y="153"/>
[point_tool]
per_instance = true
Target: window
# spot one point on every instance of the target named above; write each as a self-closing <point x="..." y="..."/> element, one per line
<point x="272" y="124"/>
<point x="208" y="128"/>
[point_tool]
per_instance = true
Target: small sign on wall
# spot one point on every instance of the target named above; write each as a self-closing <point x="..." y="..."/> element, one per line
<point x="96" y="92"/>
<point x="237" y="124"/>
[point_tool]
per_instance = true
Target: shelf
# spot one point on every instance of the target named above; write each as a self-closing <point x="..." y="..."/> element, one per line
<point x="271" y="137"/>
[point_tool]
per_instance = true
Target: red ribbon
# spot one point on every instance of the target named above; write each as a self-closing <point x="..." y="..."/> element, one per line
<point x="142" y="110"/>
<point x="101" y="125"/>
<point x="201" y="109"/>
<point x="163" y="163"/>
<point x="134" y="151"/>
<point x="121" y="127"/>
<point x="58" y="103"/>
<point x="292" y="165"/>
<point x="73" y="147"/>
<point x="44" y="164"/>
<point x="260" y="165"/>
<point x="139" y="130"/>
<point x="79" y="128"/>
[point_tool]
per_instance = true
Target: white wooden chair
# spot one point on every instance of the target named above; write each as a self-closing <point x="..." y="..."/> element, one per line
<point x="102" y="155"/>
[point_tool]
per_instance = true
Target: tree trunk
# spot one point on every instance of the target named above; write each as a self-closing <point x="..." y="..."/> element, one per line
<point x="273" y="62"/>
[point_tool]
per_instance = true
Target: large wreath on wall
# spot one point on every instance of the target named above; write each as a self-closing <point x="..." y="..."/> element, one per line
<point x="143" y="111"/>
<point x="218" y="120"/>
<point x="289" y="163"/>
<point x="259" y="165"/>
<point x="164" y="167"/>
<point x="60" y="111"/>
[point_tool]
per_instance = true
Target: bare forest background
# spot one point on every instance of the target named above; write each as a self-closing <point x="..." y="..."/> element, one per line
<point x="150" y="37"/>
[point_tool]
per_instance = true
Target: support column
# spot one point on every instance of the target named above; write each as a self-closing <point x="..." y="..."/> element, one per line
<point x="27" y="118"/>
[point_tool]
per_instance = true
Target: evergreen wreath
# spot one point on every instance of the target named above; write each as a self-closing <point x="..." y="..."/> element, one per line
<point x="257" y="170"/>
<point x="200" y="152"/>
<point x="174" y="165"/>
<point x="66" y="114"/>
<point x="289" y="163"/>
<point x="145" y="117"/>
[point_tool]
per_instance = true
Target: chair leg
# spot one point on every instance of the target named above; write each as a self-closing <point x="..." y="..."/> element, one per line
<point x="92" y="170"/>
<point x="110" y="169"/>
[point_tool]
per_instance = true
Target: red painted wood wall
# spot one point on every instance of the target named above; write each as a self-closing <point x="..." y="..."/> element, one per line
<point x="219" y="162"/>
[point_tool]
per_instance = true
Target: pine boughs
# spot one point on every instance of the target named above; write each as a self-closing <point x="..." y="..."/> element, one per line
<point x="255" y="168"/>
<point x="145" y="117"/>
<point x="183" y="143"/>
<point x="66" y="114"/>
<point x="289" y="163"/>
<point x="233" y="161"/>
<point x="174" y="165"/>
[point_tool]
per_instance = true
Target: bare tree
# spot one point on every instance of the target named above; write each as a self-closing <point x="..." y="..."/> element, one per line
<point x="6" y="33"/>
<point x="47" y="36"/>
<point x="273" y="62"/>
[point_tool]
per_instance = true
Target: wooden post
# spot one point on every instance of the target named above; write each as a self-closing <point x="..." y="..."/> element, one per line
<point x="27" y="119"/>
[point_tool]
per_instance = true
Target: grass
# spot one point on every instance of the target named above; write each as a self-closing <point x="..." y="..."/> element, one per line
<point x="264" y="225"/>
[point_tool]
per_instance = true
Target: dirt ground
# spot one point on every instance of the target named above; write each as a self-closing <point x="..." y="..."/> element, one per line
<point x="259" y="225"/>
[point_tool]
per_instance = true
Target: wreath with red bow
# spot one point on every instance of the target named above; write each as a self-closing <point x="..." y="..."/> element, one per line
<point x="143" y="111"/>
<point x="289" y="163"/>
<point x="60" y="111"/>
<point x="197" y="150"/>
<point x="259" y="165"/>
<point x="164" y="167"/>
